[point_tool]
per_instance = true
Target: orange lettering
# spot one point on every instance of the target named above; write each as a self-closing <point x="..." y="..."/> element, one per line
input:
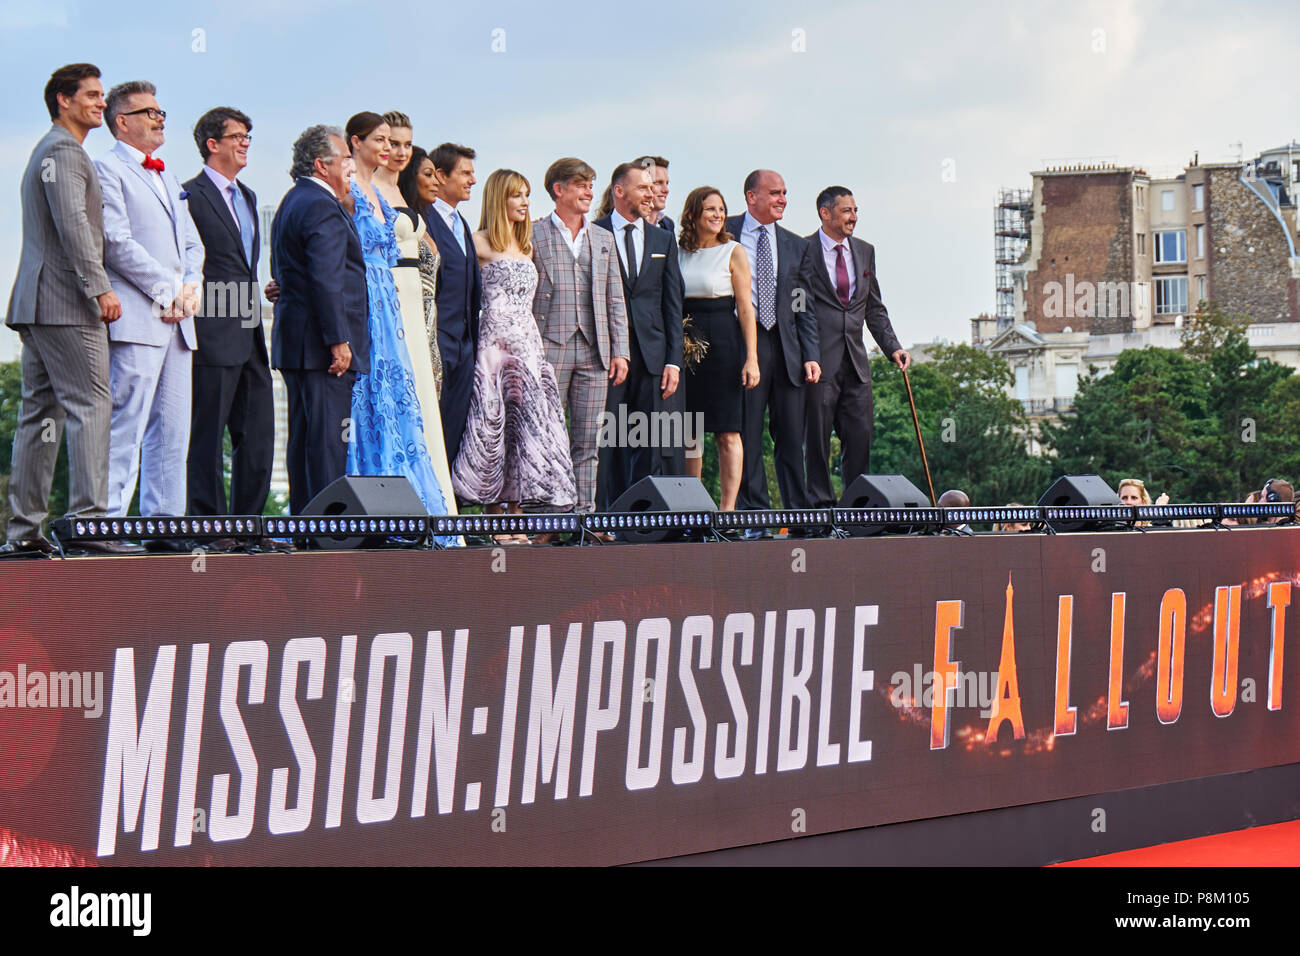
<point x="1006" y="706"/>
<point x="1065" y="714"/>
<point x="1116" y="709"/>
<point x="948" y="615"/>
<point x="1169" y="661"/>
<point x="1227" y="639"/>
<point x="1279" y="597"/>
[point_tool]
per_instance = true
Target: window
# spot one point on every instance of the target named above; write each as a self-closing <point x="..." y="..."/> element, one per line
<point x="1171" y="246"/>
<point x="1198" y="198"/>
<point x="1200" y="288"/>
<point x="1022" y="383"/>
<point x="1167" y="200"/>
<point x="1142" y="243"/>
<point x="1171" y="295"/>
<point x="1141" y="197"/>
<point x="1200" y="242"/>
<point x="1067" y="381"/>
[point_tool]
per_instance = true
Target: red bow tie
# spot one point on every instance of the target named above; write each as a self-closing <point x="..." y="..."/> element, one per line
<point x="154" y="164"/>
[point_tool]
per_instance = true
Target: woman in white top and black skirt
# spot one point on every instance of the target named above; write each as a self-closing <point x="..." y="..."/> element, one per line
<point x="721" y="311"/>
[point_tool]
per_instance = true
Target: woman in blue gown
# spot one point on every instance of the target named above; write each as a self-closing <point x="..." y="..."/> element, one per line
<point x="387" y="434"/>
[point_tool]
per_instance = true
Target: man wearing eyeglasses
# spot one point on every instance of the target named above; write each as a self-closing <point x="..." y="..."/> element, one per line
<point x="232" y="376"/>
<point x="155" y="263"/>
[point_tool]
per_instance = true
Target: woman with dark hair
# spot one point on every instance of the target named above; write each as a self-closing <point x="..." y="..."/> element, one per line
<point x="721" y="312"/>
<point x="418" y="183"/>
<point x="387" y="436"/>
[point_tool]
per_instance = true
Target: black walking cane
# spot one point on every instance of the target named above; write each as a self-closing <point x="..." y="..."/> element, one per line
<point x="917" y="422"/>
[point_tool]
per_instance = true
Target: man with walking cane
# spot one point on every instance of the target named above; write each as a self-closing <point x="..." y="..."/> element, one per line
<point x="845" y="296"/>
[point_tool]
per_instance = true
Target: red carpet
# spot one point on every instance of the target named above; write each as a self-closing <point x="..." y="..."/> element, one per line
<point x="1275" y="845"/>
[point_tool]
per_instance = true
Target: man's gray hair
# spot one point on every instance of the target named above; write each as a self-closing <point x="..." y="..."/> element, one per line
<point x="313" y="144"/>
<point x="117" y="98"/>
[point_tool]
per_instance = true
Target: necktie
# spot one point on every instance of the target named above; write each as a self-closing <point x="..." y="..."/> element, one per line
<point x="841" y="276"/>
<point x="630" y="247"/>
<point x="766" y="275"/>
<point x="460" y="233"/>
<point x="154" y="164"/>
<point x="245" y="220"/>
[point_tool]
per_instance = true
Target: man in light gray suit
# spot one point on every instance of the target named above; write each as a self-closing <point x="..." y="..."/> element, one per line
<point x="580" y="313"/>
<point x="155" y="263"/>
<point x="61" y="301"/>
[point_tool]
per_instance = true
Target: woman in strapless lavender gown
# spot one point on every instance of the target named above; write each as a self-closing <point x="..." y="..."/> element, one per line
<point x="516" y="450"/>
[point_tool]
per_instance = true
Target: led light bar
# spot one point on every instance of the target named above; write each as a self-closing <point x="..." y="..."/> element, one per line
<point x="505" y="524"/>
<point x="71" y="530"/>
<point x="795" y="518"/>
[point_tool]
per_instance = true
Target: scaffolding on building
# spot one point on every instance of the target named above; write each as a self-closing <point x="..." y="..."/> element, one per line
<point x="1010" y="239"/>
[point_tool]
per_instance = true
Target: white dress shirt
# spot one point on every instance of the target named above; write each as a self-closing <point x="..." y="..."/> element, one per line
<point x="638" y="240"/>
<point x="155" y="177"/>
<point x="452" y="218"/>
<point x="574" y="242"/>
<point x="322" y="184"/>
<point x="749" y="240"/>
<point x="829" y="246"/>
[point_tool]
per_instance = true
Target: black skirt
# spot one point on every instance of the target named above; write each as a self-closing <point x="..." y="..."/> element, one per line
<point x="713" y="387"/>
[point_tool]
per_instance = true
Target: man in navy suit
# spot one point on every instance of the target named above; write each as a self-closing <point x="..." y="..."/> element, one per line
<point x="232" y="375"/>
<point x="788" y="354"/>
<point x="320" y="341"/>
<point x="652" y="289"/>
<point x="460" y="287"/>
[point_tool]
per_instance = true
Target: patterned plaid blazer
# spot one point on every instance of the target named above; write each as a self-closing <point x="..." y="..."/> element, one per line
<point x="555" y="303"/>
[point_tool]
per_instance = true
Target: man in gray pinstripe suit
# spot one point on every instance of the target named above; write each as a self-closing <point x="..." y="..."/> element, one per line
<point x="580" y="312"/>
<point x="60" y="304"/>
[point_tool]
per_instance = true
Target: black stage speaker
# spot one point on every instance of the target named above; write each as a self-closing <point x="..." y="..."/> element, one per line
<point x="1079" y="491"/>
<point x="881" y="491"/>
<point x="358" y="495"/>
<point x="660" y="493"/>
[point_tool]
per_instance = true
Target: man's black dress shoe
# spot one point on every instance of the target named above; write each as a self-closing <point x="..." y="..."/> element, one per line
<point x="37" y="545"/>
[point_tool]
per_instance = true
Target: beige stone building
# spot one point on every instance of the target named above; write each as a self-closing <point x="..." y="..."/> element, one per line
<point x="1114" y="258"/>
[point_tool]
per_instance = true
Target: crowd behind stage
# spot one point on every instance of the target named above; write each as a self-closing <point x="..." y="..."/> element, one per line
<point x="530" y="364"/>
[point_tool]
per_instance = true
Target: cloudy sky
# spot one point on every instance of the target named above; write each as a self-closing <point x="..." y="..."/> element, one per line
<point x="922" y="109"/>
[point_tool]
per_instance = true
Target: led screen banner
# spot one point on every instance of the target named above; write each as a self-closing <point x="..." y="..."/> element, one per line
<point x="613" y="704"/>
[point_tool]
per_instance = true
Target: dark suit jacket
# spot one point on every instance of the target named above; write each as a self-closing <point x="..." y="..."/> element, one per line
<point x="798" y="328"/>
<point x="654" y="301"/>
<point x="840" y="327"/>
<point x="316" y="258"/>
<point x="460" y="289"/>
<point x="229" y="323"/>
<point x="666" y="223"/>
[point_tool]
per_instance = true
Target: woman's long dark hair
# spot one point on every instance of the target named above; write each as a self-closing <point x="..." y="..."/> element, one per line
<point x="408" y="180"/>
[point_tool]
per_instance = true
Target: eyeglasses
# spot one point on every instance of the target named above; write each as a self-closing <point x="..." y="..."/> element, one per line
<point x="239" y="137"/>
<point x="153" y="114"/>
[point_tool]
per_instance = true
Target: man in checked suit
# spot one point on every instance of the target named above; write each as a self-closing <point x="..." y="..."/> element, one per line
<point x="232" y="375"/>
<point x="652" y="290"/>
<point x="155" y="262"/>
<point x="580" y="313"/>
<point x="61" y="302"/>
<point x="787" y="343"/>
<point x="846" y="295"/>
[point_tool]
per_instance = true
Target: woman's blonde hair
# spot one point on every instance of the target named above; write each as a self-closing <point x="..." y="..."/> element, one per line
<point x="1138" y="484"/>
<point x="494" y="220"/>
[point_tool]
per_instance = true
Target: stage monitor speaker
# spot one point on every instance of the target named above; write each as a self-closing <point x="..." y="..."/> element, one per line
<point x="882" y="491"/>
<point x="360" y="495"/>
<point x="661" y="493"/>
<point x="1071" y="491"/>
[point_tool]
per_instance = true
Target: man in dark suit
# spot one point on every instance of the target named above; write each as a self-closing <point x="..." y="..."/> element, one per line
<point x="232" y="375"/>
<point x="460" y="287"/>
<point x="788" y="356"/>
<point x="846" y="294"/>
<point x="62" y="300"/>
<point x="652" y="289"/>
<point x="320" y="341"/>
